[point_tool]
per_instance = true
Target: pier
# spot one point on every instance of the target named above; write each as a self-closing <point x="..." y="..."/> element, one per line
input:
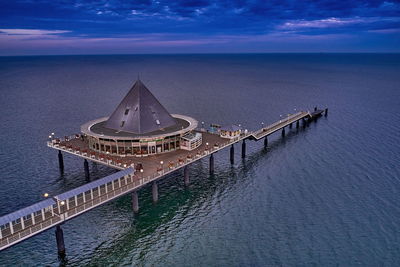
<point x="135" y="170"/>
<point x="32" y="220"/>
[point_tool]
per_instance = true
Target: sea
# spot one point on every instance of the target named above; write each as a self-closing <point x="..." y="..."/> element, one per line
<point x="324" y="195"/>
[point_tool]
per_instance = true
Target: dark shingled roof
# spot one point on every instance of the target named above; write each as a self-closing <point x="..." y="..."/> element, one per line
<point x="140" y="112"/>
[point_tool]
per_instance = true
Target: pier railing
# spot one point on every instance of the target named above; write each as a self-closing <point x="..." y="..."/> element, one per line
<point x="36" y="218"/>
<point x="24" y="223"/>
<point x="280" y="124"/>
<point x="27" y="222"/>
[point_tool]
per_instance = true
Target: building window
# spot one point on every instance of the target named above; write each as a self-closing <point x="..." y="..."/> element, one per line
<point x="126" y="111"/>
<point x="122" y="123"/>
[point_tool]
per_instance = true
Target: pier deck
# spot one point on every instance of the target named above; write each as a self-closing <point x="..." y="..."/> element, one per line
<point x="27" y="222"/>
<point x="151" y="163"/>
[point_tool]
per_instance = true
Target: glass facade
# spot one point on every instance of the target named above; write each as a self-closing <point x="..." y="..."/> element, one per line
<point x="135" y="147"/>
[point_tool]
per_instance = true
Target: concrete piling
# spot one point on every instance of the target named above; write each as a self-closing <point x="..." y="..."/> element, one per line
<point x="326" y="112"/>
<point x="60" y="161"/>
<point x="60" y="241"/>
<point x="211" y="164"/>
<point x="186" y="175"/>
<point x="283" y="132"/>
<point x="232" y="154"/>
<point x="297" y="124"/>
<point x="266" y="142"/>
<point x="86" y="167"/>
<point x="135" y="202"/>
<point x="155" y="192"/>
<point x="243" y="149"/>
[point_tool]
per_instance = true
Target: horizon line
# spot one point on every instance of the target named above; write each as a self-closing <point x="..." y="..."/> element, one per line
<point x="198" y="53"/>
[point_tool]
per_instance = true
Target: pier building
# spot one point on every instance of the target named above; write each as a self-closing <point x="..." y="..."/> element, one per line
<point x="140" y="126"/>
<point x="230" y="131"/>
<point x="139" y="133"/>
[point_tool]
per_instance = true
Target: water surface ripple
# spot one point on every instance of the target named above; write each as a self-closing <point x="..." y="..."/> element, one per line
<point x="325" y="195"/>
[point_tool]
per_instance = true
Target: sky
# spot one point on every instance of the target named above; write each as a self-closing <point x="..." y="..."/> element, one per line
<point x="57" y="27"/>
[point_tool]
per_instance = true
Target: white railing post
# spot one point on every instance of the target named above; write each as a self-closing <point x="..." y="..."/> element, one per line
<point x="11" y="228"/>
<point x="33" y="218"/>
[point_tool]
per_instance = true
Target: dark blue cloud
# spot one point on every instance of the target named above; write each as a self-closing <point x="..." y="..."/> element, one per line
<point x="203" y="19"/>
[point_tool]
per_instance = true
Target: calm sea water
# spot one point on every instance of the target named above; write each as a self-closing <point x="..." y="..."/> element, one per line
<point x="326" y="195"/>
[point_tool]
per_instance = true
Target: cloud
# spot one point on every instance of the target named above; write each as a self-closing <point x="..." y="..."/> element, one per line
<point x="191" y="23"/>
<point x="335" y="25"/>
<point x="320" y="23"/>
<point x="35" y="32"/>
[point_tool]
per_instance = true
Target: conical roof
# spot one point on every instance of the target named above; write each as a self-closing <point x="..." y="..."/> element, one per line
<point x="139" y="112"/>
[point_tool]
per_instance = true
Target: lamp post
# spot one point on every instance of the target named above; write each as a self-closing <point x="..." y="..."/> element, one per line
<point x="262" y="125"/>
<point x="162" y="166"/>
<point x="280" y="118"/>
<point x="60" y="204"/>
<point x="207" y="147"/>
<point x="59" y="231"/>
<point x="141" y="172"/>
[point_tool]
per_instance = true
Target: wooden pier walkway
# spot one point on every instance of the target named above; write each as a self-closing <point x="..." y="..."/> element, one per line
<point x="263" y="132"/>
<point x="27" y="222"/>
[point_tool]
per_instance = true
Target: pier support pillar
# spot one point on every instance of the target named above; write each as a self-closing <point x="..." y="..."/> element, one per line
<point x="304" y="122"/>
<point x="297" y="124"/>
<point x="266" y="142"/>
<point x="283" y="132"/>
<point x="211" y="164"/>
<point x="326" y="112"/>
<point x="155" y="192"/>
<point x="86" y="166"/>
<point x="60" y="161"/>
<point x="135" y="202"/>
<point x="243" y="149"/>
<point x="232" y="154"/>
<point x="186" y="175"/>
<point x="315" y="108"/>
<point x="290" y="126"/>
<point x="60" y="241"/>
